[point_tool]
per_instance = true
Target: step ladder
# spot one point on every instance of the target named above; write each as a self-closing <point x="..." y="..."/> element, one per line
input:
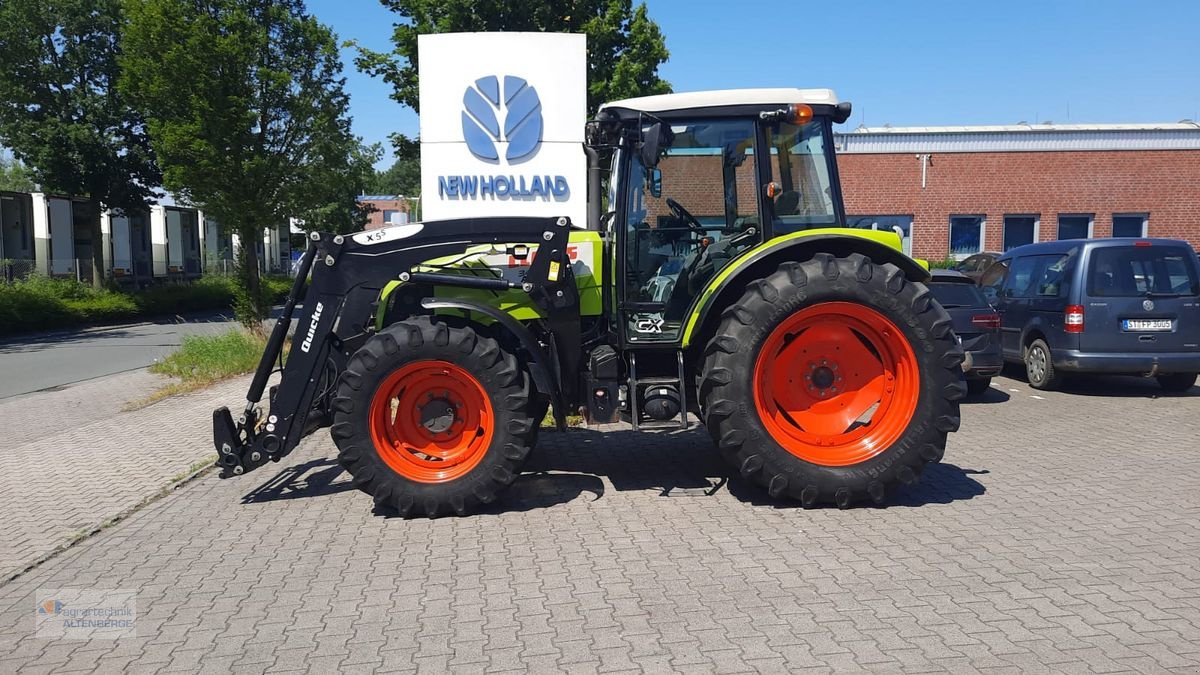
<point x="635" y="384"/>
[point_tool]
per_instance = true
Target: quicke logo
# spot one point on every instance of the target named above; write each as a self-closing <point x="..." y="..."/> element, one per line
<point x="517" y="112"/>
<point x="312" y="328"/>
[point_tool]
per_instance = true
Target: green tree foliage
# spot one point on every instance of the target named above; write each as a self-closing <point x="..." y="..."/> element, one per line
<point x="247" y="110"/>
<point x="625" y="46"/>
<point x="336" y="207"/>
<point x="14" y="175"/>
<point x="61" y="112"/>
<point x="403" y="177"/>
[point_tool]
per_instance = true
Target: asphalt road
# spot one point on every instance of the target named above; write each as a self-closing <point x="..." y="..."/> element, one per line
<point x="47" y="360"/>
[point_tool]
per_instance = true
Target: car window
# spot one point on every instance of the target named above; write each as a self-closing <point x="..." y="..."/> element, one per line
<point x="993" y="280"/>
<point x="1131" y="271"/>
<point x="1038" y="276"/>
<point x="957" y="294"/>
<point x="1052" y="275"/>
<point x="1020" y="277"/>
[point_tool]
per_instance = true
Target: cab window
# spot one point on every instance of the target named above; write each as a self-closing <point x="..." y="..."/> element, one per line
<point x="687" y="220"/>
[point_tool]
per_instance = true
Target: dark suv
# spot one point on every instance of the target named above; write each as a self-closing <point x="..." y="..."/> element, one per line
<point x="1121" y="306"/>
<point x="975" y="323"/>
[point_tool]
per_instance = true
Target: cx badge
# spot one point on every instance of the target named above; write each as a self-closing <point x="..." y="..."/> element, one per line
<point x="513" y="115"/>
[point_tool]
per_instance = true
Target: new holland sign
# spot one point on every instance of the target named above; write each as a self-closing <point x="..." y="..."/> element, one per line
<point x="502" y="119"/>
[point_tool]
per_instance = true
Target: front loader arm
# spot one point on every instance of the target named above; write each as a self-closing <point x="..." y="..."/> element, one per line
<point x="337" y="312"/>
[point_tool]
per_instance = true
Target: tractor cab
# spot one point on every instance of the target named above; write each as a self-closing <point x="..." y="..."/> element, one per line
<point x="699" y="179"/>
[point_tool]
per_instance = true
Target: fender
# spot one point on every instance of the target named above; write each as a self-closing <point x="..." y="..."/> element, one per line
<point x="546" y="379"/>
<point x="727" y="286"/>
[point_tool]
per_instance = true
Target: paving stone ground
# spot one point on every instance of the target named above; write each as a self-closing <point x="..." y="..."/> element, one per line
<point x="1061" y="534"/>
<point x="72" y="460"/>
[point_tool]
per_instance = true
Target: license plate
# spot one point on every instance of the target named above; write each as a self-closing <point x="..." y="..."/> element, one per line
<point x="1146" y="325"/>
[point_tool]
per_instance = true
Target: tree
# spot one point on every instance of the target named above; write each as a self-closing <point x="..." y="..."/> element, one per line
<point x="247" y="110"/>
<point x="61" y="112"/>
<point x="403" y="177"/>
<point x="625" y="46"/>
<point x="336" y="208"/>
<point x="14" y="175"/>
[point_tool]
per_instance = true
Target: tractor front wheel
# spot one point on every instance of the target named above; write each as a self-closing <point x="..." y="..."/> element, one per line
<point x="833" y="380"/>
<point x="432" y="419"/>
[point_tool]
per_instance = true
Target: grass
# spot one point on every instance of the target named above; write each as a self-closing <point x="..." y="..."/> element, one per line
<point x="41" y="303"/>
<point x="202" y="360"/>
<point x="572" y="420"/>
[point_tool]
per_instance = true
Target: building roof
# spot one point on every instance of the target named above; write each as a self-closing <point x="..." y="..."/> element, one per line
<point x="725" y="97"/>
<point x="1042" y="137"/>
<point x="380" y="198"/>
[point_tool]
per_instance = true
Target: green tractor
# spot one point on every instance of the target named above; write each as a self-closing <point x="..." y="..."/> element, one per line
<point x="714" y="278"/>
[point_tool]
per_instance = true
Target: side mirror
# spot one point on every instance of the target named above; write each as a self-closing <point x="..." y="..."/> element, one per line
<point x="654" y="180"/>
<point x="654" y="140"/>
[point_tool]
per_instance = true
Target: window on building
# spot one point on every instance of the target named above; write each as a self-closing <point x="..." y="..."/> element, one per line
<point x="901" y="225"/>
<point x="966" y="235"/>
<point x="1019" y="230"/>
<point x="394" y="217"/>
<point x="1129" y="224"/>
<point x="1078" y="226"/>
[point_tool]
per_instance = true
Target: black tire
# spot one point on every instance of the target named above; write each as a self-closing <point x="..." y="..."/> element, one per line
<point x="1177" y="383"/>
<point x="978" y="386"/>
<point x="727" y="389"/>
<point x="1039" y="366"/>
<point x="418" y="339"/>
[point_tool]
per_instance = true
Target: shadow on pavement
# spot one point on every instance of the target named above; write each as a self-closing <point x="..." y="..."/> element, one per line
<point x="567" y="466"/>
<point x="992" y="395"/>
<point x="311" y="479"/>
<point x="1108" y="386"/>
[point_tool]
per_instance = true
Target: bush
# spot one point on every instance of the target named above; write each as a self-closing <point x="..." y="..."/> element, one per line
<point x="41" y="303"/>
<point x="947" y="264"/>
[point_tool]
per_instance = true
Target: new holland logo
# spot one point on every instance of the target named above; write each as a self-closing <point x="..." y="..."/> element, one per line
<point x="486" y="114"/>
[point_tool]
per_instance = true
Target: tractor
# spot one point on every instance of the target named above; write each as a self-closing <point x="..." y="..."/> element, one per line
<point x="714" y="280"/>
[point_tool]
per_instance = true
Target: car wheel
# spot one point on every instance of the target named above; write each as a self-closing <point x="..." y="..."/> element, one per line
<point x="978" y="386"/>
<point x="1177" y="382"/>
<point x="1039" y="366"/>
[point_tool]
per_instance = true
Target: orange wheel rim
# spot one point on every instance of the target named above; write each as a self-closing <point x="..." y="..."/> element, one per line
<point x="836" y="383"/>
<point x="431" y="421"/>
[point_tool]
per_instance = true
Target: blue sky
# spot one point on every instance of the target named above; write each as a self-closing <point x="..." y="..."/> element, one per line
<point x="900" y="63"/>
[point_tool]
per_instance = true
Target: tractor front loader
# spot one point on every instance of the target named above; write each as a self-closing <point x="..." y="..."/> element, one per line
<point x="720" y="282"/>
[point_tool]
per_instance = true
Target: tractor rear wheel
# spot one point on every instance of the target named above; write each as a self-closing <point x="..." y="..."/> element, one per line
<point x="432" y="419"/>
<point x="833" y="380"/>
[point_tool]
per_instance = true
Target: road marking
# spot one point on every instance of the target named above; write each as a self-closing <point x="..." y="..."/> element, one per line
<point x="1011" y="389"/>
<point x="1037" y="397"/>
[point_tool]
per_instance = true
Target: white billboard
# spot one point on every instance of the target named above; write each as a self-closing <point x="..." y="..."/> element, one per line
<point x="502" y="118"/>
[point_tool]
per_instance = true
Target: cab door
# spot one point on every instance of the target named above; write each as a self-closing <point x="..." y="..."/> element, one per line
<point x="684" y="219"/>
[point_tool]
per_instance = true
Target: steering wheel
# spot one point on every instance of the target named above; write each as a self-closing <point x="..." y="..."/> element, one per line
<point x="692" y="222"/>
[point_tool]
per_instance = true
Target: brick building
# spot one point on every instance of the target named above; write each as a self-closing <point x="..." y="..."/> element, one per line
<point x="961" y="190"/>
<point x="386" y="210"/>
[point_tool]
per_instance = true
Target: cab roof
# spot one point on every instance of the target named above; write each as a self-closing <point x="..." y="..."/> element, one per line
<point x="724" y="98"/>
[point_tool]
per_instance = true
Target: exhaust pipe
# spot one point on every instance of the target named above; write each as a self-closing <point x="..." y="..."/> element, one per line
<point x="593" y="188"/>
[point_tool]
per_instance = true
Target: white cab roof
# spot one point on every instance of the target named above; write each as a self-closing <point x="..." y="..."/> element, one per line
<point x="725" y="97"/>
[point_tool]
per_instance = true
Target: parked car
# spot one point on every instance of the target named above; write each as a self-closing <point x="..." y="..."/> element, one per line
<point x="976" y="324"/>
<point x="974" y="266"/>
<point x="1120" y="306"/>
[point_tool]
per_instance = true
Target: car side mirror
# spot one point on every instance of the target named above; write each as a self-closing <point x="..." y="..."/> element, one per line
<point x="654" y="181"/>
